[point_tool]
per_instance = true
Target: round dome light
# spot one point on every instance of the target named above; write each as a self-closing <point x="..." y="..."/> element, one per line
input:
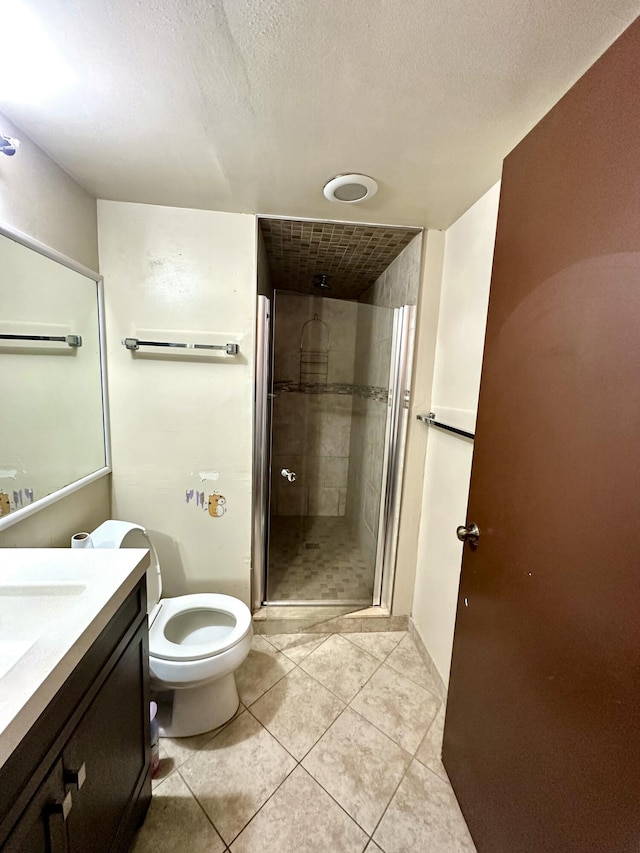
<point x="350" y="189"/>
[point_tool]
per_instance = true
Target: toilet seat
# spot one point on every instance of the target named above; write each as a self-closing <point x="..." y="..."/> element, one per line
<point x="174" y="635"/>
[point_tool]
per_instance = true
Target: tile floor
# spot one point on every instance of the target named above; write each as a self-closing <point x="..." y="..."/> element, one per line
<point x="332" y="571"/>
<point x="335" y="748"/>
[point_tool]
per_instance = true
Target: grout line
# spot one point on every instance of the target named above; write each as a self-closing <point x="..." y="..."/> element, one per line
<point x="324" y="636"/>
<point x="201" y="807"/>
<point x="342" y="699"/>
<point x="271" y="734"/>
<point x="330" y="726"/>
<point x="330" y="795"/>
<point x="257" y="812"/>
<point x="348" y="634"/>
<point x="434" y="692"/>
<point x="391" y="799"/>
<point x="377" y="728"/>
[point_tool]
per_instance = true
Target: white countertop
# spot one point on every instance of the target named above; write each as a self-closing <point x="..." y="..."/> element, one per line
<point x="54" y="602"/>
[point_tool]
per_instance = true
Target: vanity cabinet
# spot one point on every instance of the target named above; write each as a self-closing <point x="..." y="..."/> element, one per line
<point x="80" y="781"/>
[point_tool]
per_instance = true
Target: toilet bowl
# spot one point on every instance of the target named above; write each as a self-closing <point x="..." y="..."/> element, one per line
<point x="196" y="643"/>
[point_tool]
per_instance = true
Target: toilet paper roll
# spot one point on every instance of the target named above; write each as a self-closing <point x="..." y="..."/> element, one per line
<point x="81" y="540"/>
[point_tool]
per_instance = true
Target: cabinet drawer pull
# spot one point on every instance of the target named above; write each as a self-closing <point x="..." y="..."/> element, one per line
<point x="62" y="808"/>
<point x="76" y="777"/>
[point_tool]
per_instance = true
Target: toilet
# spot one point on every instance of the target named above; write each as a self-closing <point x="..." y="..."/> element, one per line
<point x="196" y="643"/>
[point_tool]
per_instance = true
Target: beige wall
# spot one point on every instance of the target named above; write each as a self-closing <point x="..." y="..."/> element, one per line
<point x="468" y="256"/>
<point x="183" y="275"/>
<point x="38" y="198"/>
<point x="311" y="430"/>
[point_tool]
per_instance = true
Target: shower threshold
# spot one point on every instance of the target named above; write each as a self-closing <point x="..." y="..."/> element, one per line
<point x="322" y="602"/>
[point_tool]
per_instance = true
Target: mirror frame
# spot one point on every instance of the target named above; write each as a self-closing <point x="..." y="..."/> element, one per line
<point x="53" y="255"/>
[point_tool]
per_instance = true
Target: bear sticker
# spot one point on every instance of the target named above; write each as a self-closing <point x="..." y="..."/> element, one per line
<point x="217" y="506"/>
<point x="5" y="505"/>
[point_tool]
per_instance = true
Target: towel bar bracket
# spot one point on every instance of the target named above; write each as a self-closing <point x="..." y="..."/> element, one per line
<point x="431" y="419"/>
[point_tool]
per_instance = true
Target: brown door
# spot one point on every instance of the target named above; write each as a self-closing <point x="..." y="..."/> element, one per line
<point x="542" y="737"/>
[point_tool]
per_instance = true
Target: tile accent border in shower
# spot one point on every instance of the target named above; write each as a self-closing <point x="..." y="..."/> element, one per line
<point x="367" y="392"/>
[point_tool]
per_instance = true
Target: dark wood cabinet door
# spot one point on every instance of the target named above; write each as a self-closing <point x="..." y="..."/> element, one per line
<point x="42" y="826"/>
<point x="542" y="734"/>
<point x="108" y="749"/>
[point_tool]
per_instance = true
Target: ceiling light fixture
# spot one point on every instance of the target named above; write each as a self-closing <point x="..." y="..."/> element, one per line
<point x="350" y="189"/>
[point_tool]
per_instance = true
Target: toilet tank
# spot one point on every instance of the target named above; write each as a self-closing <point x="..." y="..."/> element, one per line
<point x="125" y="534"/>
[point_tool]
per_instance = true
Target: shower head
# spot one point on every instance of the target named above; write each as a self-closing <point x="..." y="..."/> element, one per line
<point x="321" y="281"/>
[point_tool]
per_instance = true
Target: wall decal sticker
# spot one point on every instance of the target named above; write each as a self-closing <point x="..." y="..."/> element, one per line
<point x="217" y="506"/>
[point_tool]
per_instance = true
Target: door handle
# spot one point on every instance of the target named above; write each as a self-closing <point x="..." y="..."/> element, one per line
<point x="61" y="807"/>
<point x="288" y="475"/>
<point x="55" y="817"/>
<point x="469" y="534"/>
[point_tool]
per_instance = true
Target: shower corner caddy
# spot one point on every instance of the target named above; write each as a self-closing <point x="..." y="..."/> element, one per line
<point x="314" y="352"/>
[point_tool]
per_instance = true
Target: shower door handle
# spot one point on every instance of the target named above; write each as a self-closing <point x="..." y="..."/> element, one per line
<point x="288" y="475"/>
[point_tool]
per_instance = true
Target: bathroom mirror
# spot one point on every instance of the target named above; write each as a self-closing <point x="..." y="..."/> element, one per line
<point x="53" y="436"/>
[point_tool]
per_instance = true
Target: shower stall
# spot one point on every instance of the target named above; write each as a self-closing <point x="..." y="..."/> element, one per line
<point x="333" y="379"/>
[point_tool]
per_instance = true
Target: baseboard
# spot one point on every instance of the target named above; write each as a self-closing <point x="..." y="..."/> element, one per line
<point x="428" y="660"/>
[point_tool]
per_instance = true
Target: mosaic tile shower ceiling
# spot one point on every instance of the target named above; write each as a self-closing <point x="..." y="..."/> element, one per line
<point x="353" y="256"/>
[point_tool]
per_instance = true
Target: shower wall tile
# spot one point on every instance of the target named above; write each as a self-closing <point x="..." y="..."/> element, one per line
<point x="293" y="500"/>
<point x="323" y="502"/>
<point x="287" y="364"/>
<point x="341" y="367"/>
<point x="340" y="318"/>
<point x="399" y="283"/>
<point x="334" y="471"/>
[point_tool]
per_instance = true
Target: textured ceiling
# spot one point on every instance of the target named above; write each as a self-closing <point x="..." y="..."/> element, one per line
<point x="251" y="105"/>
<point x="353" y="256"/>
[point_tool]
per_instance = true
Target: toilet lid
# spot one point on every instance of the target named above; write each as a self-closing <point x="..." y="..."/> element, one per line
<point x="172" y="636"/>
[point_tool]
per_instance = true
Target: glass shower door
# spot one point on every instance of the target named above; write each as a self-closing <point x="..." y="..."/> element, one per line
<point x="337" y="448"/>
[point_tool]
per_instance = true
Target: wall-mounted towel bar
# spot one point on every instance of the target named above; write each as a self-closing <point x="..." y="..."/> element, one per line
<point x="134" y="344"/>
<point x="431" y="419"/>
<point x="72" y="340"/>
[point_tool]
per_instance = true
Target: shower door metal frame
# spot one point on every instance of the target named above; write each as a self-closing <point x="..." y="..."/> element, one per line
<point x="394" y="452"/>
<point x="393" y="464"/>
<point x="262" y="453"/>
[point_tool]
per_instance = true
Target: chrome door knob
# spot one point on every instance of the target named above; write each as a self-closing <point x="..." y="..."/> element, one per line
<point x="470" y="534"/>
<point x="288" y="475"/>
